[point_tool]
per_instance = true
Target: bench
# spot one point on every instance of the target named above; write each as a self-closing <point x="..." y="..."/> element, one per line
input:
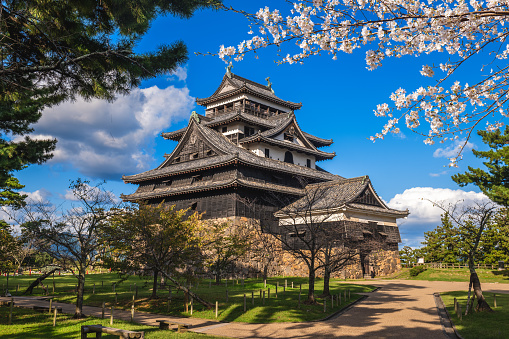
<point x="99" y="330"/>
<point x="46" y="308"/>
<point x="181" y="327"/>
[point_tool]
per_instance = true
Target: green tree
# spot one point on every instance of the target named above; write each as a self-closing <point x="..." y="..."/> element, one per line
<point x="158" y="240"/>
<point x="225" y="244"/>
<point x="494" y="183"/>
<point x="8" y="247"/>
<point x="56" y="50"/>
<point x="443" y="243"/>
<point x="409" y="256"/>
<point x="495" y="239"/>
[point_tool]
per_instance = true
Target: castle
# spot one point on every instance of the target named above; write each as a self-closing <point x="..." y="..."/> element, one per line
<point x="248" y="146"/>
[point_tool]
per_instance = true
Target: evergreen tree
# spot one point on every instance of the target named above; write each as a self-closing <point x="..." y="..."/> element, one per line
<point x="494" y="183"/>
<point x="443" y="243"/>
<point x="495" y="239"/>
<point x="57" y="50"/>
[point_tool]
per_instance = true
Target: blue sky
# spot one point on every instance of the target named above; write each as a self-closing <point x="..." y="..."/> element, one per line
<point x="102" y="141"/>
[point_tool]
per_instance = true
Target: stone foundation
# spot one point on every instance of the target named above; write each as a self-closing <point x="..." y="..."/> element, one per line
<point x="270" y="256"/>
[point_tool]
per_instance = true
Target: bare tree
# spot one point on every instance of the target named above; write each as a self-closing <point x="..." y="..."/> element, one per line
<point x="72" y="237"/>
<point x="470" y="222"/>
<point x="311" y="229"/>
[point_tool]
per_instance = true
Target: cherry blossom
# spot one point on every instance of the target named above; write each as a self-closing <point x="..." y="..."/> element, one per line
<point x="396" y="28"/>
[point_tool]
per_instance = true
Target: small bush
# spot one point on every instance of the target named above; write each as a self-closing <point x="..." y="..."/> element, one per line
<point x="416" y="270"/>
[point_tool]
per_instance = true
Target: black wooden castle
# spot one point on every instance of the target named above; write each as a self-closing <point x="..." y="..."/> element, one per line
<point x="248" y="157"/>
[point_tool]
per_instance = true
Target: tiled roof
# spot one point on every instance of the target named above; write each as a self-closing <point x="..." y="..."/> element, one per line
<point x="337" y="194"/>
<point x="231" y="153"/>
<point x="226" y="118"/>
<point x="201" y="186"/>
<point x="320" y="155"/>
<point x="319" y="142"/>
<point x="243" y="85"/>
<point x="271" y="124"/>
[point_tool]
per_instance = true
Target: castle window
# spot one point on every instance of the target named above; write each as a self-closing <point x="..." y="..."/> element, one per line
<point x="194" y="206"/>
<point x="300" y="234"/>
<point x="209" y="152"/>
<point x="196" y="178"/>
<point x="308" y="163"/>
<point x="224" y="129"/>
<point x="194" y="155"/>
<point x="289" y="157"/>
<point x="248" y="131"/>
<point x="267" y="153"/>
<point x="167" y="183"/>
<point x="177" y="159"/>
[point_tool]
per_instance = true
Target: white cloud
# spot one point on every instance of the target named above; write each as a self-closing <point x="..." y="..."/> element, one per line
<point x="423" y="215"/>
<point x="180" y="73"/>
<point x="437" y="174"/>
<point x="453" y="150"/>
<point x="38" y="196"/>
<point x="105" y="140"/>
<point x="94" y="191"/>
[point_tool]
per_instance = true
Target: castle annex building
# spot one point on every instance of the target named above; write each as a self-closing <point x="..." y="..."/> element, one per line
<point x="247" y="157"/>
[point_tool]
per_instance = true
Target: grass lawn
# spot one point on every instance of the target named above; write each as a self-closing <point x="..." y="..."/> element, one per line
<point x="29" y="324"/>
<point x="459" y="274"/>
<point x="480" y="325"/>
<point x="284" y="308"/>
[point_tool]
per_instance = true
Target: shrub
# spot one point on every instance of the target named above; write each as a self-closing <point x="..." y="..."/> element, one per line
<point x="414" y="271"/>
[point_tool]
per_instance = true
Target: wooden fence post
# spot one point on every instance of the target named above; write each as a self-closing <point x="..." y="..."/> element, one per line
<point x="216" y="309"/>
<point x="244" y="303"/>
<point x="252" y="298"/>
<point x="55" y="317"/>
<point x="111" y="316"/>
<point x="102" y="315"/>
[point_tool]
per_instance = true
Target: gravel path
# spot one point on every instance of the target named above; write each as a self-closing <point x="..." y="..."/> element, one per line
<point x="399" y="309"/>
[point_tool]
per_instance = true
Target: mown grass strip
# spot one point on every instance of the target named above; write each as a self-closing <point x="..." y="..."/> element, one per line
<point x="284" y="308"/>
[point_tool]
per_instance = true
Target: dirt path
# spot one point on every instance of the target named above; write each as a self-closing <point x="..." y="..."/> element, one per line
<point x="400" y="309"/>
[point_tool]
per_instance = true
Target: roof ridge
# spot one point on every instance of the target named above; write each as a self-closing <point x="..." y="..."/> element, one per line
<point x="238" y="77"/>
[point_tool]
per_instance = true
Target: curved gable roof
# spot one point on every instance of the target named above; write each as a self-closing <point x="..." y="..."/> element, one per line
<point x="243" y="85"/>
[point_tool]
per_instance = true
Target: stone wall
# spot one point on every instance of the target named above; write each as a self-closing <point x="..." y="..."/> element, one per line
<point x="277" y="261"/>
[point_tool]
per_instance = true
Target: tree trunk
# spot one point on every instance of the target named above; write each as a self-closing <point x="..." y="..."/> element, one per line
<point x="265" y="271"/>
<point x="37" y="281"/>
<point x="326" y="280"/>
<point x="79" y="297"/>
<point x="218" y="278"/>
<point x="311" y="283"/>
<point x="154" y="285"/>
<point x="482" y="305"/>
<point x="186" y="290"/>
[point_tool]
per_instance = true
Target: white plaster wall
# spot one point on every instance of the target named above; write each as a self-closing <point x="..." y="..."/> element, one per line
<point x="278" y="153"/>
<point x="359" y="217"/>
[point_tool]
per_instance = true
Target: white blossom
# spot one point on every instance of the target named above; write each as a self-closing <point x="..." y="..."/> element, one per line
<point x="457" y="29"/>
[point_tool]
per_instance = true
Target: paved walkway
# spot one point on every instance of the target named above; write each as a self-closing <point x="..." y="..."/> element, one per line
<point x="400" y="309"/>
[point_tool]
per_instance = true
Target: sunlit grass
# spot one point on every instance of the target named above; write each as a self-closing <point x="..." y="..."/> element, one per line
<point x="480" y="325"/>
<point x="29" y="324"/>
<point x="284" y="308"/>
<point x="462" y="274"/>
